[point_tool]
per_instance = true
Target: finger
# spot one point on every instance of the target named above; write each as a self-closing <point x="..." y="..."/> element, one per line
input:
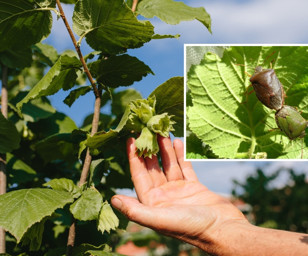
<point x="157" y="175"/>
<point x="187" y="169"/>
<point x="140" y="176"/>
<point x="171" y="167"/>
<point x="136" y="211"/>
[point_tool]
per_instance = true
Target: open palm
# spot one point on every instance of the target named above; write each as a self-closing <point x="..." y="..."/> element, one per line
<point x="172" y="200"/>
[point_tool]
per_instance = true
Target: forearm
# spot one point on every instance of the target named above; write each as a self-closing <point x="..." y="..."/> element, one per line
<point x="245" y="239"/>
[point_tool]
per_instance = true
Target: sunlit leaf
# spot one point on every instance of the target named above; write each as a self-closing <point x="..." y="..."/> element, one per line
<point x="110" y="26"/>
<point x="61" y="75"/>
<point x="64" y="184"/>
<point x="107" y="219"/>
<point x="173" y="12"/>
<point x="22" y="208"/>
<point x="87" y="207"/>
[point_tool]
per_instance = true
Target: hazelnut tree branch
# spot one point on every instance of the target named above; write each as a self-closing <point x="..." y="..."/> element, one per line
<point x="95" y="122"/>
<point x="3" y="178"/>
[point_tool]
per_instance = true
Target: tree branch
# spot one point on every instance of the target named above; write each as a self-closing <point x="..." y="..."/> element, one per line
<point x="134" y="5"/>
<point x="95" y="122"/>
<point x="77" y="47"/>
<point x="3" y="178"/>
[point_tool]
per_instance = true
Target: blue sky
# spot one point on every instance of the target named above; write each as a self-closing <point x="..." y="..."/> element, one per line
<point x="233" y="21"/>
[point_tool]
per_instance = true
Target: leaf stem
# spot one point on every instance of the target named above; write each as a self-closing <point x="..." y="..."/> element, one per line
<point x="95" y="122"/>
<point x="3" y="177"/>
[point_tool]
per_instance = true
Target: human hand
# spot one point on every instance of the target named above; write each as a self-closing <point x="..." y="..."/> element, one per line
<point x="173" y="201"/>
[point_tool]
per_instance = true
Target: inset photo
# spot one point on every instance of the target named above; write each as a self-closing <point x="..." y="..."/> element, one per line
<point x="246" y="102"/>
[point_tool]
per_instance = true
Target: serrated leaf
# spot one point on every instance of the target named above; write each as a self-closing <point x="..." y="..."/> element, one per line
<point x="157" y="36"/>
<point x="173" y="12"/>
<point x="9" y="136"/>
<point x="107" y="219"/>
<point x="231" y="121"/>
<point x="75" y="94"/>
<point x="170" y="99"/>
<point x="110" y="26"/>
<point x="22" y="208"/>
<point x="23" y="23"/>
<point x="91" y="250"/>
<point x="34" y="235"/>
<point x="61" y="75"/>
<point x="121" y="70"/>
<point x="64" y="184"/>
<point x="87" y="206"/>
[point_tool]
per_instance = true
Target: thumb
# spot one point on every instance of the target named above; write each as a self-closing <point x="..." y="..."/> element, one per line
<point x="134" y="210"/>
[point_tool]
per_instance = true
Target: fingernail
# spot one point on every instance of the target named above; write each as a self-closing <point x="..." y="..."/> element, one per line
<point x="117" y="203"/>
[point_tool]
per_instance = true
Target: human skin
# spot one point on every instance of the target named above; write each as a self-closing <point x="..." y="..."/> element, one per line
<point x="173" y="202"/>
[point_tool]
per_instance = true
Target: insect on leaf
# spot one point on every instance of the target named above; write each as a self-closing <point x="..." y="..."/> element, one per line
<point x="233" y="122"/>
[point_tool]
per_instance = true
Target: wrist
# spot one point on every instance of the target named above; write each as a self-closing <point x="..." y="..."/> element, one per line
<point x="242" y="238"/>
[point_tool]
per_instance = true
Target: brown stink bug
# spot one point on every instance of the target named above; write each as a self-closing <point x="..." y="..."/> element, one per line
<point x="268" y="88"/>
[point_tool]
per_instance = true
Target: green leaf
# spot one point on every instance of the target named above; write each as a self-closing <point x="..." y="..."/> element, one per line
<point x="68" y="1"/>
<point x="91" y="250"/>
<point x="75" y="94"/>
<point x="64" y="184"/>
<point x="233" y="122"/>
<point x="157" y="36"/>
<point x="170" y="99"/>
<point x="117" y="71"/>
<point x="101" y="138"/>
<point x="296" y="97"/>
<point x="60" y="146"/>
<point x="22" y="208"/>
<point x="9" y="136"/>
<point x="194" y="147"/>
<point x="173" y="12"/>
<point x="87" y="206"/>
<point x="47" y="53"/>
<point x="56" y="123"/>
<point x="110" y="26"/>
<point x="122" y="99"/>
<point x="18" y="171"/>
<point x="17" y="58"/>
<point x="34" y="235"/>
<point x="37" y="109"/>
<point x="107" y="219"/>
<point x="61" y="75"/>
<point x="23" y="23"/>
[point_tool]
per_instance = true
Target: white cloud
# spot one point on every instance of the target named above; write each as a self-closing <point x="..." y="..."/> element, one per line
<point x="256" y="21"/>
